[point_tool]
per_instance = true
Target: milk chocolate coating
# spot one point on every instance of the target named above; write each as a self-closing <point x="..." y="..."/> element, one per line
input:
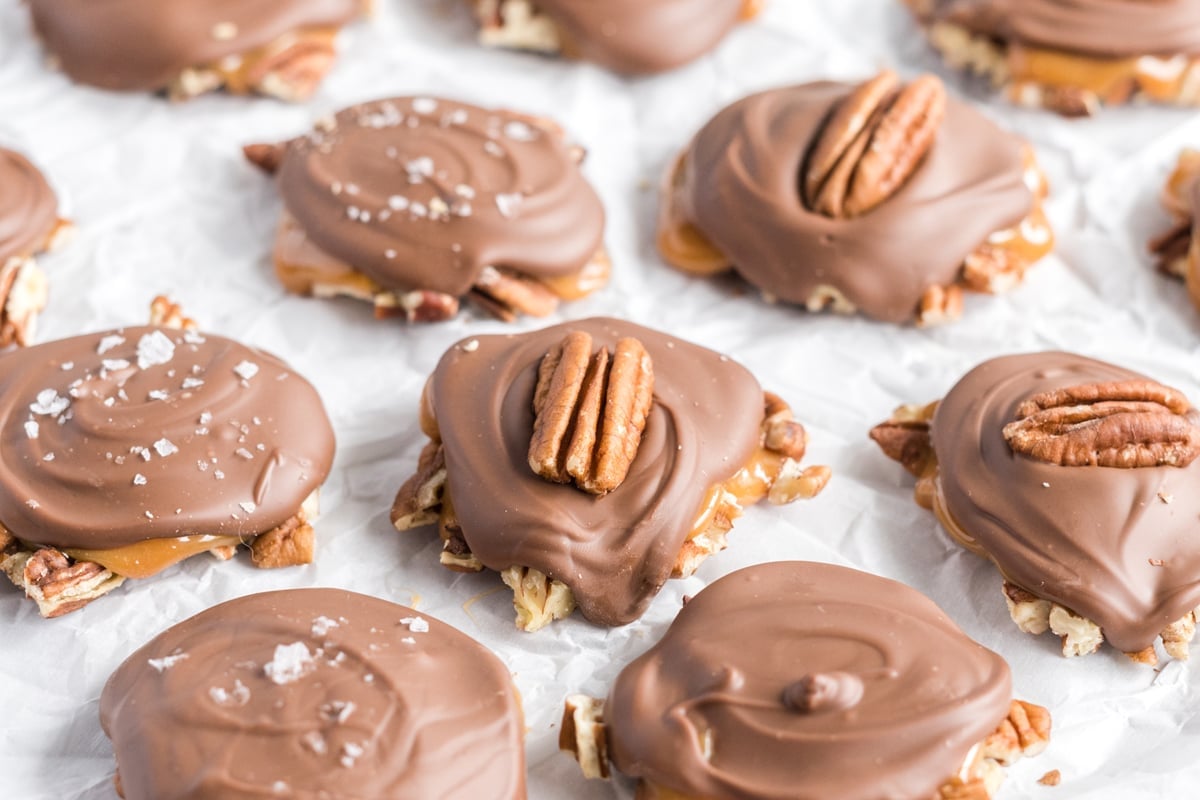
<point x="28" y="207"/>
<point x="1084" y="537"/>
<point x="138" y="45"/>
<point x="741" y="189"/>
<point x="366" y="191"/>
<point x="1105" y="28"/>
<point x="642" y="36"/>
<point x="723" y="672"/>
<point x="97" y="452"/>
<point x="614" y="551"/>
<point x="384" y="709"/>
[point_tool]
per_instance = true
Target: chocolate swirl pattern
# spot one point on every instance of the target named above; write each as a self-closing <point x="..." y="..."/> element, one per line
<point x="28" y="207"/>
<point x="1105" y="28"/>
<point x="1114" y="545"/>
<point x="146" y="433"/>
<point x="423" y="193"/>
<point x="132" y="45"/>
<point x="314" y="693"/>
<point x="614" y="551"/>
<point x="636" y="36"/>
<point x="740" y="187"/>
<point x="711" y="710"/>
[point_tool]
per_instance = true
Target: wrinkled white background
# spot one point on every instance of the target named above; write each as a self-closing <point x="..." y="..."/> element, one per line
<point x="165" y="203"/>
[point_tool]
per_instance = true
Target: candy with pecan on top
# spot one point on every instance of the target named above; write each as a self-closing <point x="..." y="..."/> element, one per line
<point x="1080" y="480"/>
<point x="589" y="462"/>
<point x="882" y="197"/>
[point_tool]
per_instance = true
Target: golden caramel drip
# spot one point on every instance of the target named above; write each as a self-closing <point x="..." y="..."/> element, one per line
<point x="152" y="556"/>
<point x="680" y="243"/>
<point x="1112" y="79"/>
<point x="242" y="74"/>
<point x="304" y="268"/>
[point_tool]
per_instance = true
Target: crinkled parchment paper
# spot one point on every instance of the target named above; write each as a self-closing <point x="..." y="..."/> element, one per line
<point x="165" y="203"/>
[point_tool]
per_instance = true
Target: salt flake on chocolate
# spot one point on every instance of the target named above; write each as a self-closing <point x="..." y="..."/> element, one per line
<point x="163" y="664"/>
<point x="239" y="696"/>
<point x="290" y="663"/>
<point x="154" y="348"/>
<point x="248" y="507"/>
<point x="519" y="132"/>
<point x="139" y="479"/>
<point x="165" y="447"/>
<point x="31" y="429"/>
<point x="108" y="343"/>
<point x="323" y="625"/>
<point x="416" y="624"/>
<point x="49" y="403"/>
<point x="246" y="370"/>
<point x="508" y="204"/>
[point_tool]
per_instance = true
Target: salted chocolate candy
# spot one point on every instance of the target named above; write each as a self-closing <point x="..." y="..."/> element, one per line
<point x="590" y="461"/>
<point x="279" y="48"/>
<point x="29" y="225"/>
<point x="414" y="202"/>
<point x="1078" y="479"/>
<point x="632" y="37"/>
<point x="796" y="679"/>
<point x="314" y="693"/>
<point x="1072" y="56"/>
<point x="1178" y="250"/>
<point x="882" y="198"/>
<point x="130" y="450"/>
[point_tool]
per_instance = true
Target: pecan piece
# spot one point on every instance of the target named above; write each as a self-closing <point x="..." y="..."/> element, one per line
<point x="872" y="143"/>
<point x="590" y="412"/>
<point x="1137" y="423"/>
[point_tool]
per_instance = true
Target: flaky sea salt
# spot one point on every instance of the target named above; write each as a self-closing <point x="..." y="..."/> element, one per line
<point x="248" y="507"/>
<point x="166" y="662"/>
<point x="31" y="429"/>
<point x="246" y="370"/>
<point x="351" y="752"/>
<point x="154" y="348"/>
<point x="323" y="625"/>
<point x="290" y="663"/>
<point x="139" y="479"/>
<point x="109" y="342"/>
<point x="338" y="711"/>
<point x="114" y="364"/>
<point x="416" y="624"/>
<point x="424" y="105"/>
<point x="165" y="447"/>
<point x="49" y="403"/>
<point x="192" y="383"/>
<point x="508" y="203"/>
<point x="238" y="696"/>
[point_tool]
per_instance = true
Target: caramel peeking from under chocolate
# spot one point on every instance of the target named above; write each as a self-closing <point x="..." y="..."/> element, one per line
<point x="934" y="217"/>
<point x="589" y="414"/>
<point x="1111" y="545"/>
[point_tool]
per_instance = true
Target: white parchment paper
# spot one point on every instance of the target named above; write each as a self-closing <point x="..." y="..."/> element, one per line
<point x="165" y="203"/>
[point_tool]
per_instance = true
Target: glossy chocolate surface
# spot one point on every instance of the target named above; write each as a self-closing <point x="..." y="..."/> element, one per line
<point x="614" y="551"/>
<point x="315" y="694"/>
<point x="642" y="36"/>
<point x="423" y="193"/>
<point x="741" y="179"/>
<point x="28" y="207"/>
<point x="144" y="433"/>
<point x="138" y="45"/>
<point x="1105" y="28"/>
<point x="1117" y="546"/>
<point x="796" y="679"/>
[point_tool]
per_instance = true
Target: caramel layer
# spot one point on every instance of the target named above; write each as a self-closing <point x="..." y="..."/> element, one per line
<point x="152" y="556"/>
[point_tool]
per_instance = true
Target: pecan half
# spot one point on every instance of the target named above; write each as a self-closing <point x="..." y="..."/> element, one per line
<point x="1137" y="423"/>
<point x="590" y="412"/>
<point x="873" y="141"/>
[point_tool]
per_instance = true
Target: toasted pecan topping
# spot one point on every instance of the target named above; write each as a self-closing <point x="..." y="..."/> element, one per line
<point x="590" y="412"/>
<point x="872" y="143"/>
<point x="1136" y="423"/>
